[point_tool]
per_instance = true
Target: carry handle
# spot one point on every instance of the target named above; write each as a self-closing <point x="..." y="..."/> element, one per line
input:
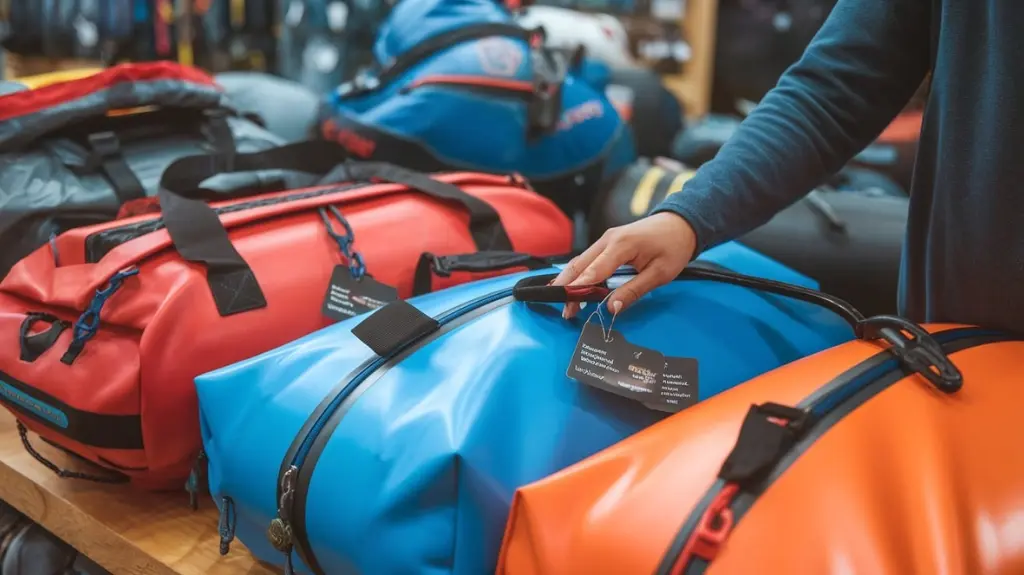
<point x="915" y="348"/>
<point x="431" y="265"/>
<point x="185" y="175"/>
<point x="484" y="222"/>
<point x="536" y="289"/>
<point x="196" y="230"/>
<point x="34" y="345"/>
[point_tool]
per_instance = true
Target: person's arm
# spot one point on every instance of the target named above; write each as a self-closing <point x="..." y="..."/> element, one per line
<point x="860" y="70"/>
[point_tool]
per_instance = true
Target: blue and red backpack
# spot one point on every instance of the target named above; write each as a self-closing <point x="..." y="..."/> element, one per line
<point x="458" y="85"/>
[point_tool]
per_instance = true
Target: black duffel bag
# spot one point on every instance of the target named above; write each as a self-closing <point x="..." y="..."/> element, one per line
<point x="849" y="241"/>
<point x="70" y="155"/>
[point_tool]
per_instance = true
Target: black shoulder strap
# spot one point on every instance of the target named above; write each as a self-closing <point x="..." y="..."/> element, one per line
<point x="431" y="46"/>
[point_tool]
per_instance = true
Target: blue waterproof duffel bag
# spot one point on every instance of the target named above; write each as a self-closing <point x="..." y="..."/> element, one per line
<point x="392" y="443"/>
<point x="459" y="85"/>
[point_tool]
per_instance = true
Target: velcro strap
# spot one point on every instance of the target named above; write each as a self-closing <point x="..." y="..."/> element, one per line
<point x="768" y="432"/>
<point x="394" y="327"/>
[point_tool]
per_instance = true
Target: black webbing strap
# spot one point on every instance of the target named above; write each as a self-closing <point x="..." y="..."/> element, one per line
<point x="394" y="327"/>
<point x="544" y="110"/>
<point x="431" y="46"/>
<point x="485" y="261"/>
<point x="316" y="157"/>
<point x="199" y="237"/>
<point x="218" y="132"/>
<point x="768" y="432"/>
<point x="484" y="222"/>
<point x="197" y="232"/>
<point x="105" y="155"/>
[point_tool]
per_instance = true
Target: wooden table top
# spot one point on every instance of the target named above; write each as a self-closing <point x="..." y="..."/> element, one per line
<point x="126" y="532"/>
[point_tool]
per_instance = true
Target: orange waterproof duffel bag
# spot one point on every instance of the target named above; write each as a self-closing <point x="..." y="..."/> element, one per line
<point x="847" y="461"/>
<point x="103" y="331"/>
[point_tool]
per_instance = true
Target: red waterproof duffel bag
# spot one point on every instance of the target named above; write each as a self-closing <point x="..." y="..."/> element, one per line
<point x="103" y="331"/>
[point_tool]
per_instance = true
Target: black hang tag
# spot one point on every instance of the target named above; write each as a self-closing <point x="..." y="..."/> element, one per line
<point x="677" y="387"/>
<point x="615" y="365"/>
<point x="348" y="297"/>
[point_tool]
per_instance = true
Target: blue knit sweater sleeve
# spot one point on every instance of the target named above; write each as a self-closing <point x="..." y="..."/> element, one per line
<point x="859" y="71"/>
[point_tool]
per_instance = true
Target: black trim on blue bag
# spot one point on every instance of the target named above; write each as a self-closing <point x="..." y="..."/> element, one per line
<point x="93" y="429"/>
<point x="393" y="327"/>
<point x="362" y="85"/>
<point x="297" y="498"/>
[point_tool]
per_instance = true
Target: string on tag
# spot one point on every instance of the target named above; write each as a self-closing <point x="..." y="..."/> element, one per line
<point x="607" y="333"/>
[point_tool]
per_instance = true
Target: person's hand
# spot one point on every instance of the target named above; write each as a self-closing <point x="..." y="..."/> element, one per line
<point x="658" y="246"/>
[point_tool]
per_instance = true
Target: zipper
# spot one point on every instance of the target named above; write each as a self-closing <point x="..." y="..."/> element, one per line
<point x="99" y="244"/>
<point x="286" y="532"/>
<point x="711" y="521"/>
<point x="476" y="84"/>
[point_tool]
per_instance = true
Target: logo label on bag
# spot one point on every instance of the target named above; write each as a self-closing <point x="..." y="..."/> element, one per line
<point x="607" y="361"/>
<point x="589" y="110"/>
<point x="348" y="297"/>
<point x="29" y="404"/>
<point x="359" y="145"/>
<point x="499" y="56"/>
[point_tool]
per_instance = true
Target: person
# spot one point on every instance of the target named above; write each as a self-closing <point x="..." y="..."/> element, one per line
<point x="963" y="257"/>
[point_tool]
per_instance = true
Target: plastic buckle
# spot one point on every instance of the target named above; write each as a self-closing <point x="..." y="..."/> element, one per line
<point x="715" y="525"/>
<point x="768" y="432"/>
<point x="919" y="353"/>
<point x="104" y="144"/>
<point x="440" y="266"/>
<point x="931" y="364"/>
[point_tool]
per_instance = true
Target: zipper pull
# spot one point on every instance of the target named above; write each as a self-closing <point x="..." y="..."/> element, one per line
<point x="279" y="532"/>
<point x="711" y="532"/>
<point x="86" y="325"/>
<point x="226" y="525"/>
<point x="192" y="485"/>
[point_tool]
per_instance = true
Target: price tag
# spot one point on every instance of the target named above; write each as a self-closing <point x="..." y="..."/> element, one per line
<point x="348" y="297"/>
<point x="608" y="361"/>
<point x="678" y="385"/>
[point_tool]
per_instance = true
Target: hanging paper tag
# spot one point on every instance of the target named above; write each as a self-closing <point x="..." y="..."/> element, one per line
<point x="348" y="297"/>
<point x="678" y="385"/>
<point x="613" y="364"/>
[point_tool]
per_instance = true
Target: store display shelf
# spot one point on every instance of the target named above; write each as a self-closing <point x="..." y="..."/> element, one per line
<point x="126" y="532"/>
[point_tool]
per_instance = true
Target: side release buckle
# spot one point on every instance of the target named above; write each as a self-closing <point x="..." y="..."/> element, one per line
<point x="915" y="349"/>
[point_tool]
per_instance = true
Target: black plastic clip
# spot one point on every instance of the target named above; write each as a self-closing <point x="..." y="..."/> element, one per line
<point x="915" y="348"/>
<point x="768" y="432"/>
<point x="34" y="345"/>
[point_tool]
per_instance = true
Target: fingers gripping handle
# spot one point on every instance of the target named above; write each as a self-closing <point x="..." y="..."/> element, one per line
<point x="916" y="350"/>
